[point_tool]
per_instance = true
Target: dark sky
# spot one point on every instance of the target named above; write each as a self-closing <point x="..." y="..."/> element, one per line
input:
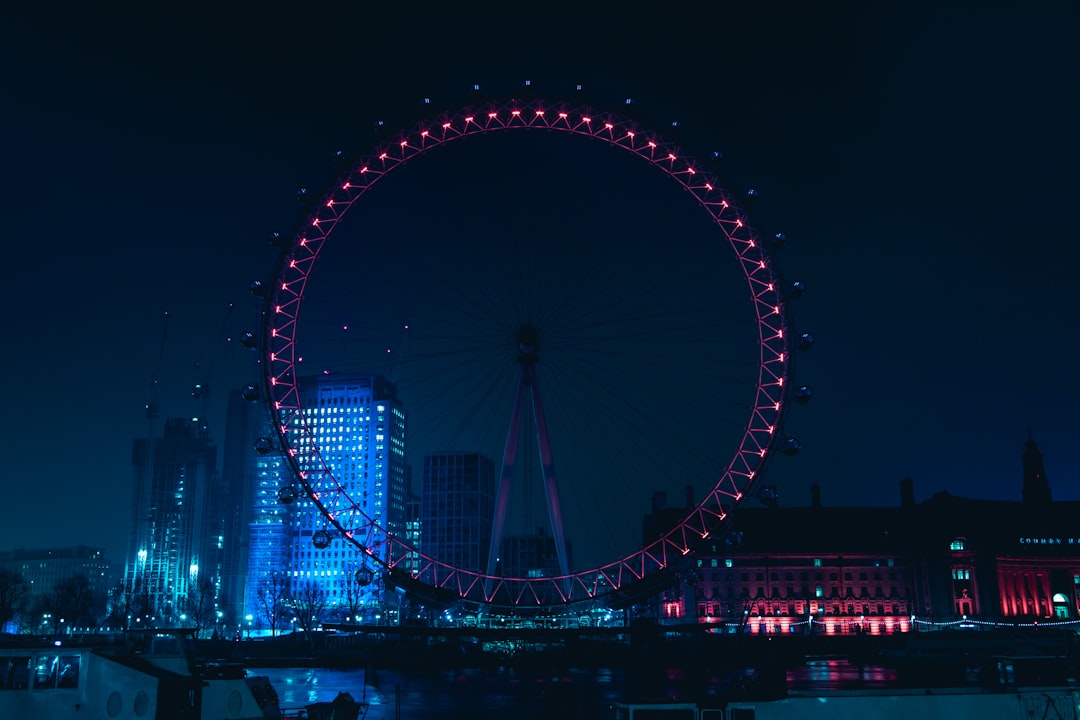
<point x="920" y="158"/>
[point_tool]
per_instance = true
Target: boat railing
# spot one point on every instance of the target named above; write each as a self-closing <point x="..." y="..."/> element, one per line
<point x="664" y="711"/>
<point x="343" y="707"/>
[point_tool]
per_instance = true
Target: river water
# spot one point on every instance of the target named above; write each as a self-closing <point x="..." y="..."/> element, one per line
<point x="505" y="693"/>
<point x="463" y="694"/>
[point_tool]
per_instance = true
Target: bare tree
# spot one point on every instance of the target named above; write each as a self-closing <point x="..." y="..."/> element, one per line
<point x="271" y="601"/>
<point x="199" y="604"/>
<point x="308" y="601"/>
<point x="142" y="602"/>
<point x="352" y="595"/>
<point x="128" y="602"/>
<point x="72" y="602"/>
<point x="14" y="593"/>
<point x="121" y="605"/>
<point x="222" y="617"/>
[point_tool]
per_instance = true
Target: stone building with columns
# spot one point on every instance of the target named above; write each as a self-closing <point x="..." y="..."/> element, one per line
<point x="887" y="569"/>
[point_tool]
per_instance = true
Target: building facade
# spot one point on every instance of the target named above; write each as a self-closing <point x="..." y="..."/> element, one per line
<point x="359" y="427"/>
<point x="884" y="570"/>
<point x="44" y="569"/>
<point x="178" y="520"/>
<point x="263" y="520"/>
<point x="457" y="508"/>
<point x="531" y="555"/>
<point x="783" y="569"/>
<point x="411" y="564"/>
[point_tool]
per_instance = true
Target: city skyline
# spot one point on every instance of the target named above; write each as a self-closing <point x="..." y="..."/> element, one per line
<point x="917" y="162"/>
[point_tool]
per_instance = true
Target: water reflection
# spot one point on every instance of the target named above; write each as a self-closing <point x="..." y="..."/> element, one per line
<point x="298" y="687"/>
<point x="468" y="693"/>
<point x="505" y="692"/>
<point x="835" y="673"/>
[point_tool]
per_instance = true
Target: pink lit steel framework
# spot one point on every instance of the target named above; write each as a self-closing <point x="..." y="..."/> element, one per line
<point x="448" y="582"/>
<point x="528" y="337"/>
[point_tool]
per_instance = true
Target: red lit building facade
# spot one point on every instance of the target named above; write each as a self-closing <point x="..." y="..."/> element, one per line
<point x="886" y="570"/>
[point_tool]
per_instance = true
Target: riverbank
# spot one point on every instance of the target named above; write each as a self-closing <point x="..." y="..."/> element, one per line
<point x="653" y="647"/>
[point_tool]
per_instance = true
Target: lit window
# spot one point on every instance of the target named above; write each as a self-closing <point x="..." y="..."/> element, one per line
<point x="957" y="544"/>
<point x="817" y="562"/>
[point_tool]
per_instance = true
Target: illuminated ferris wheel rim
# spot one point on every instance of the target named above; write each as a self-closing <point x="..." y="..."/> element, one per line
<point x="297" y="437"/>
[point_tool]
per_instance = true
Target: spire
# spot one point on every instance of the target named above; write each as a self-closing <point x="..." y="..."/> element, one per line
<point x="907" y="493"/>
<point x="1036" y="488"/>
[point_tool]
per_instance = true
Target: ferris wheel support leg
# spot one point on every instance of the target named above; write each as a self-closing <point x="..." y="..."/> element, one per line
<point x="502" y="496"/>
<point x="547" y="464"/>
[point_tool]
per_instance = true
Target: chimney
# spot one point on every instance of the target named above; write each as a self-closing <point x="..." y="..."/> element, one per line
<point x="659" y="501"/>
<point x="1036" y="489"/>
<point x="907" y="493"/>
<point x="815" y="496"/>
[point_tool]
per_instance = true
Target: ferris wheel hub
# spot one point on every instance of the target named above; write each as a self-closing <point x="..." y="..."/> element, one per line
<point x="528" y="341"/>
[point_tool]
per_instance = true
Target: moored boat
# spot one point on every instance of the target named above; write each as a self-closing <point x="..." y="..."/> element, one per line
<point x="1059" y="703"/>
<point x="150" y="675"/>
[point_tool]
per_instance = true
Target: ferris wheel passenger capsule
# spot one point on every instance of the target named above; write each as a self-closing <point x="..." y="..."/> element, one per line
<point x="804" y="394"/>
<point x="798" y="289"/>
<point x="248" y="340"/>
<point x="257" y="288"/>
<point x="806" y="341"/>
<point x="321" y="539"/>
<point x="791" y="446"/>
<point x="364" y="576"/>
<point x="264" y="446"/>
<point x="278" y="240"/>
<point x="286" y="495"/>
<point x="250" y="393"/>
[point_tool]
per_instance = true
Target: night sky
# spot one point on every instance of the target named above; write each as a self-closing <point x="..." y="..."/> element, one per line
<point x="920" y="159"/>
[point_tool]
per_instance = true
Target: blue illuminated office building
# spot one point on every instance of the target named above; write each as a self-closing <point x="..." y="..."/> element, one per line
<point x="358" y="425"/>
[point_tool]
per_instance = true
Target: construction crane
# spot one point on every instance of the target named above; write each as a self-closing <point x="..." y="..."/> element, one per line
<point x="200" y="391"/>
<point x="136" y="575"/>
<point x="152" y="404"/>
<point x="396" y="360"/>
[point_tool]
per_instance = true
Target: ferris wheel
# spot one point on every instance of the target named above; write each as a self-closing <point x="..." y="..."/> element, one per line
<point x="590" y="317"/>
